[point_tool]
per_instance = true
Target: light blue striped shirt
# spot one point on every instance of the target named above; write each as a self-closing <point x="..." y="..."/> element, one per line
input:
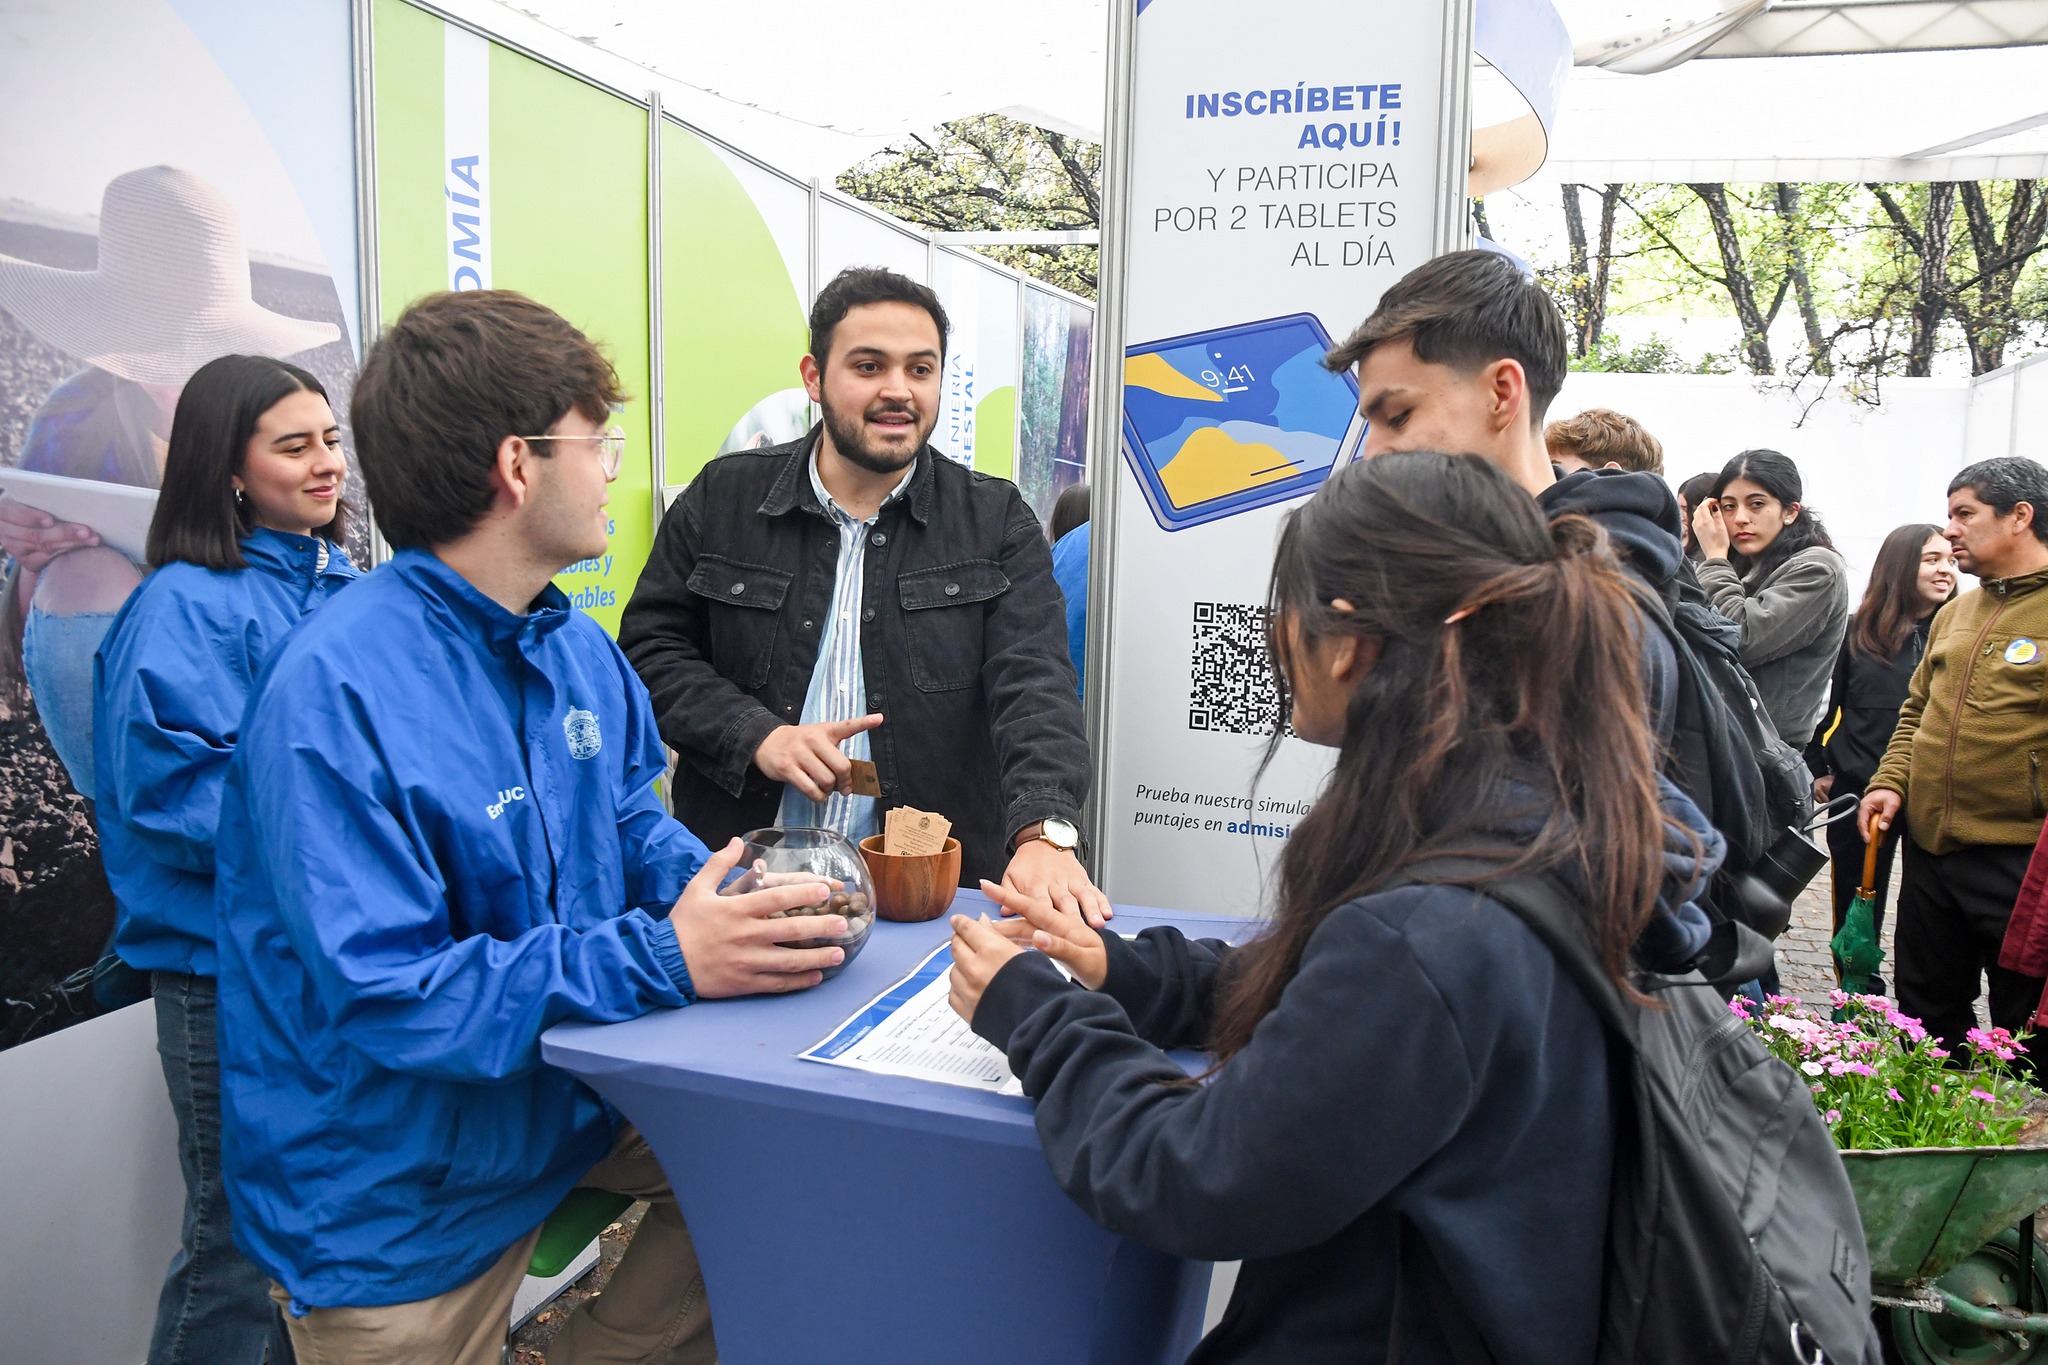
<point x="839" y="689"/>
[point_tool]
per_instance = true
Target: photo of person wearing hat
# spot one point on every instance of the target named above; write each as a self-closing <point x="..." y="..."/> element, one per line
<point x="169" y="292"/>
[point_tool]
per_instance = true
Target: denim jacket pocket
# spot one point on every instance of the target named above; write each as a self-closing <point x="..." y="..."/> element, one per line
<point x="943" y="612"/>
<point x="740" y="606"/>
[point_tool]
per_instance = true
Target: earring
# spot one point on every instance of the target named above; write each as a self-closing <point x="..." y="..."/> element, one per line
<point x="241" y="497"/>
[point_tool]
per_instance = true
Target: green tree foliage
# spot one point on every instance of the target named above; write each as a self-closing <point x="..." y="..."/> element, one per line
<point x="1885" y="280"/>
<point x="994" y="174"/>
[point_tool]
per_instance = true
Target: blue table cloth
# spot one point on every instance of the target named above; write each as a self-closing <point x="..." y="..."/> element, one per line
<point x="844" y="1217"/>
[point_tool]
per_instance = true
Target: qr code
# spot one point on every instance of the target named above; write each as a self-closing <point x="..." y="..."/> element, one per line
<point x="1230" y="687"/>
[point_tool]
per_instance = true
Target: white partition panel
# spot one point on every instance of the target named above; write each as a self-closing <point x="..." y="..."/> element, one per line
<point x="92" y="1220"/>
<point x="1866" y="469"/>
<point x="847" y="237"/>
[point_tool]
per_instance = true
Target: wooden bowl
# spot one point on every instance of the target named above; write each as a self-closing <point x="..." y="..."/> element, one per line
<point x="911" y="890"/>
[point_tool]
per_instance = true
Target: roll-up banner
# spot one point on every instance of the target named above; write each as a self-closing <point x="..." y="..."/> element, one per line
<point x="1264" y="192"/>
<point x="170" y="192"/>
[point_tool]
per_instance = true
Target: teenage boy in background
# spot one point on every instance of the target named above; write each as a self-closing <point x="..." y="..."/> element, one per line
<point x="1601" y="438"/>
<point x="1966" y="762"/>
<point x="440" y="836"/>
<point x="799" y="595"/>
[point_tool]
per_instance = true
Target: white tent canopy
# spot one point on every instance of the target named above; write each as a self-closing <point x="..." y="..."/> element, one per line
<point x="814" y="86"/>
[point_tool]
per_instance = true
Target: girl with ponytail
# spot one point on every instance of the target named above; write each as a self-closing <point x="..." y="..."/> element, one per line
<point x="1397" y="1054"/>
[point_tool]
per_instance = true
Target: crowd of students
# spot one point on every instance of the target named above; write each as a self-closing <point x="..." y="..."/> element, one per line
<point x="372" y="837"/>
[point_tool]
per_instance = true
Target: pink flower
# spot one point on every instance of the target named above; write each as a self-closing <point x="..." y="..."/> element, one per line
<point x="1984" y="1095"/>
<point x="1833" y="1115"/>
<point x="1897" y="1098"/>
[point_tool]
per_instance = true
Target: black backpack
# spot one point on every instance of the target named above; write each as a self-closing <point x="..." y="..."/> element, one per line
<point x="1726" y="755"/>
<point x="1733" y="1237"/>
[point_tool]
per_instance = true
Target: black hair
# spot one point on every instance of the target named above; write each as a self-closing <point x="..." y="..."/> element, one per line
<point x="1777" y="475"/>
<point x="198" y="519"/>
<point x="1069" y="510"/>
<point x="2004" y="483"/>
<point x="1691" y="494"/>
<point x="1467" y="310"/>
<point x="443" y="388"/>
<point x="859" y="285"/>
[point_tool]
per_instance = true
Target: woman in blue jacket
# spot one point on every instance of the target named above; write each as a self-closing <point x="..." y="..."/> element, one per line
<point x="1386" y="1054"/>
<point x="245" y="542"/>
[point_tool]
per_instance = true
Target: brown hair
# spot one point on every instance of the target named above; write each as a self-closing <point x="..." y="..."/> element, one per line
<point x="1538" y="675"/>
<point x="1466" y="310"/>
<point x="451" y="379"/>
<point x="1602" y="436"/>
<point x="1892" y="603"/>
<point x="197" y="518"/>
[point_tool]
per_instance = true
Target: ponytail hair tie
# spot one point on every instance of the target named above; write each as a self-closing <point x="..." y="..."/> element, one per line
<point x="1460" y="614"/>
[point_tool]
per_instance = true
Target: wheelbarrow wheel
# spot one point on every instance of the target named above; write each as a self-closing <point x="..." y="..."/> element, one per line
<point x="1990" y="1275"/>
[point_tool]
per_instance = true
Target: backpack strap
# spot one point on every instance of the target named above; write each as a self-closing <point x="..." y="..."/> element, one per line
<point x="1552" y="913"/>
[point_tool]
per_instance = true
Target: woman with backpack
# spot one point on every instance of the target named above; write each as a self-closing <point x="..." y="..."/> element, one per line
<point x="1770" y="568"/>
<point x="245" y="542"/>
<point x="1401" y="1062"/>
<point x="1914" y="576"/>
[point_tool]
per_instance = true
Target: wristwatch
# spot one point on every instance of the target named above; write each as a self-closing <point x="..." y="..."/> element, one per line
<point x="1061" y="834"/>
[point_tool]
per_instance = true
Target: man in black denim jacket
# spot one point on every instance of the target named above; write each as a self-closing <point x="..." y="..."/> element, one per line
<point x="857" y="594"/>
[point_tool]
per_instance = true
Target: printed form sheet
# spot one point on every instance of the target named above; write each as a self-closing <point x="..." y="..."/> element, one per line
<point x="910" y="1030"/>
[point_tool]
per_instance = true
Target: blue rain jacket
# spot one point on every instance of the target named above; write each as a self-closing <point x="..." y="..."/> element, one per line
<point x="169" y="684"/>
<point x="440" y="836"/>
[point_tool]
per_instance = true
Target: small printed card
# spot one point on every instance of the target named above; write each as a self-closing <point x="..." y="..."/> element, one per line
<point x="911" y="833"/>
<point x="866" y="782"/>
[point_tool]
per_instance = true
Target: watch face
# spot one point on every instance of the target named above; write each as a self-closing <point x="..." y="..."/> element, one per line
<point x="1059" y="833"/>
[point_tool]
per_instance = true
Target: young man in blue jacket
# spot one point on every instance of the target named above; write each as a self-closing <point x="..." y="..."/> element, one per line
<point x="440" y="836"/>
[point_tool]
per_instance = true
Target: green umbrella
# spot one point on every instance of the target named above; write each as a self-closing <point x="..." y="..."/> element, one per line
<point x="1858" y="954"/>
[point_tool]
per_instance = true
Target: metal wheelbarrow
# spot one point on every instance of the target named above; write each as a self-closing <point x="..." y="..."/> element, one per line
<point x="1952" y="1251"/>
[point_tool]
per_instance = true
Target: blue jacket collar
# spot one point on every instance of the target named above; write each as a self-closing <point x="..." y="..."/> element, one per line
<point x="288" y="556"/>
<point x="470" y="614"/>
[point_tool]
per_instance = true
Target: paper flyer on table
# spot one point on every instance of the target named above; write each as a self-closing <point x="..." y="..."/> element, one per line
<point x="910" y="1030"/>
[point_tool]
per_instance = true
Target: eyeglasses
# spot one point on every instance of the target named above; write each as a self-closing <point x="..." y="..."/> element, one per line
<point x="611" y="447"/>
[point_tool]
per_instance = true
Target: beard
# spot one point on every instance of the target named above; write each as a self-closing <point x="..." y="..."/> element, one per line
<point x="849" y="437"/>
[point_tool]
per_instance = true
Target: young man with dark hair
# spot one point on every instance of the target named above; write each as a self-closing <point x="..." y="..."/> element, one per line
<point x="440" y="836"/>
<point x="1966" y="761"/>
<point x="1601" y="438"/>
<point x="1464" y="354"/>
<point x="856" y="597"/>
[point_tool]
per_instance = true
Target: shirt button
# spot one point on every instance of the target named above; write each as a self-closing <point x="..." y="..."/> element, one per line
<point x="738" y="588"/>
<point x="952" y="590"/>
<point x="878" y="538"/>
<point x="808" y="626"/>
<point x="788" y="710"/>
<point x="867" y="614"/>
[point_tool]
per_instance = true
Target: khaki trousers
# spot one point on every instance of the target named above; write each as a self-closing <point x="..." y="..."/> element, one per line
<point x="653" y="1309"/>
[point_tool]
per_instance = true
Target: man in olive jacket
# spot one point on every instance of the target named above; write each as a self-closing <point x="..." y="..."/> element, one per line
<point x="857" y="597"/>
<point x="1966" y="759"/>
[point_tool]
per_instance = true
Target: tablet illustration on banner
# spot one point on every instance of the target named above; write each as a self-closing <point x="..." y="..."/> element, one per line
<point x="1220" y="422"/>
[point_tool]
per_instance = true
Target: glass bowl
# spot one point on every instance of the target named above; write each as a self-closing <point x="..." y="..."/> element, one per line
<point x="780" y="853"/>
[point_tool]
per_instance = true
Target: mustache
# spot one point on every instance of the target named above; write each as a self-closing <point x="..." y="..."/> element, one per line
<point x="892" y="410"/>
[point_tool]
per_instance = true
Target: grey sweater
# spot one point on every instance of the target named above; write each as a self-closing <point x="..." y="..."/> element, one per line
<point x="1792" y="621"/>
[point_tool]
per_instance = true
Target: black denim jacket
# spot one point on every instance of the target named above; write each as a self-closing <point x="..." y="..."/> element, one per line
<point x="963" y="639"/>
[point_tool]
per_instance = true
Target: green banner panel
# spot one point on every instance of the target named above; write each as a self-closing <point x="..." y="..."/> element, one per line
<point x="495" y="171"/>
<point x="733" y="326"/>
